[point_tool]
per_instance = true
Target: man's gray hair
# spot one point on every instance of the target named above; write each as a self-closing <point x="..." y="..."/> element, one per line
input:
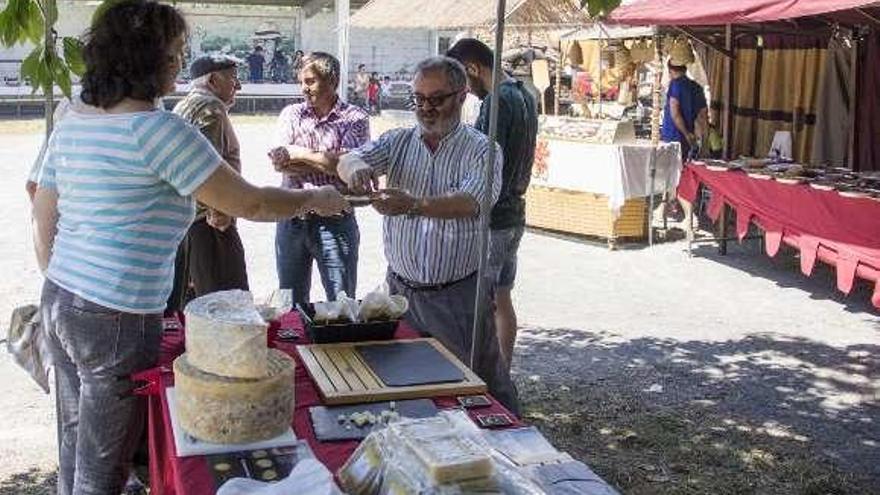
<point x="202" y="82"/>
<point x="324" y="65"/>
<point x="450" y="67"/>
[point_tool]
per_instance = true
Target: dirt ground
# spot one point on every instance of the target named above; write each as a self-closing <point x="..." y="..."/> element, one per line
<point x="666" y="374"/>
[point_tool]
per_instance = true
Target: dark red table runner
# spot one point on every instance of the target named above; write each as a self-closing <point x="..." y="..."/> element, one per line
<point x="171" y="475"/>
<point x="843" y="232"/>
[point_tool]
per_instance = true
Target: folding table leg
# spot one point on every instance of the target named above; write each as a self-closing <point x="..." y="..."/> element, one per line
<point x="722" y="231"/>
<point x="689" y="224"/>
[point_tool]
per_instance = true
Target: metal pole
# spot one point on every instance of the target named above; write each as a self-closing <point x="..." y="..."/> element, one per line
<point x="727" y="128"/>
<point x="655" y="135"/>
<point x="852" y="158"/>
<point x="558" y="80"/>
<point x="481" y="302"/>
<point x="343" y="8"/>
<point x="49" y="38"/>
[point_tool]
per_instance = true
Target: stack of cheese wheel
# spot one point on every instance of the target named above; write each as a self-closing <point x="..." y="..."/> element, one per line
<point x="229" y="387"/>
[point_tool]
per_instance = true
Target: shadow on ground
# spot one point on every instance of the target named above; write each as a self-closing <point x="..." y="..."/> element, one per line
<point x="760" y="415"/>
<point x="784" y="270"/>
<point x="32" y="482"/>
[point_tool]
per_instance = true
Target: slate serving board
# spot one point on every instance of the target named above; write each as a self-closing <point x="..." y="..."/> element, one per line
<point x="343" y="376"/>
<point x="325" y="420"/>
<point x="410" y="363"/>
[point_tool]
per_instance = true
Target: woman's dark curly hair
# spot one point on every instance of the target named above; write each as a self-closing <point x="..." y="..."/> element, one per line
<point x="127" y="52"/>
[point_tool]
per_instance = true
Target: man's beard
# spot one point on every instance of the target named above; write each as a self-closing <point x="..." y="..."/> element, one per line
<point x="440" y="125"/>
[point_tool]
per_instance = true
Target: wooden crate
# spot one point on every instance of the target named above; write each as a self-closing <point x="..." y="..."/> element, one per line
<point x="584" y="214"/>
<point x="343" y="377"/>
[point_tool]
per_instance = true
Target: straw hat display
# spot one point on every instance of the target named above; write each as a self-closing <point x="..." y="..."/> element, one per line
<point x="680" y="52"/>
<point x="641" y="52"/>
<point x="575" y="55"/>
<point x="623" y="57"/>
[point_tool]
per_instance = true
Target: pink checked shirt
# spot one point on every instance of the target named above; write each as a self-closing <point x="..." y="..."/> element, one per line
<point x="345" y="128"/>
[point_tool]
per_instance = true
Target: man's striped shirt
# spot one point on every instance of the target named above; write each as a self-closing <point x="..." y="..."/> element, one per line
<point x="431" y="250"/>
<point x="345" y="128"/>
<point x="125" y="185"/>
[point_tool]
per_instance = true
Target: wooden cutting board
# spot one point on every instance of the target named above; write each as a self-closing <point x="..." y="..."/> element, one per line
<point x="344" y="377"/>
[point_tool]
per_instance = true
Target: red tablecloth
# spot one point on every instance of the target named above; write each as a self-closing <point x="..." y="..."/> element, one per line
<point x="171" y="475"/>
<point x="843" y="232"/>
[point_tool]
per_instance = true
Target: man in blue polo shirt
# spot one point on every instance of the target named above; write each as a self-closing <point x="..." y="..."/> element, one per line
<point x="685" y="116"/>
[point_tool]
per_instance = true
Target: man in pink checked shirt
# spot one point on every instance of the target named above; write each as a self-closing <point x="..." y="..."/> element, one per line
<point x="321" y="124"/>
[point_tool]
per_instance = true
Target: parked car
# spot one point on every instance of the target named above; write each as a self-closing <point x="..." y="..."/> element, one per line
<point x="398" y="96"/>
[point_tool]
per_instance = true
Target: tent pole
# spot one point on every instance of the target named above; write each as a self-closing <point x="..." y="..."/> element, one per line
<point x="343" y="8"/>
<point x="655" y="136"/>
<point x="853" y="96"/>
<point x="558" y="80"/>
<point x="481" y="303"/>
<point x="727" y="124"/>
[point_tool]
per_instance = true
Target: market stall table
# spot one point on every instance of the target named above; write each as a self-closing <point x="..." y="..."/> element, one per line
<point x="598" y="188"/>
<point x="172" y="475"/>
<point x="841" y="231"/>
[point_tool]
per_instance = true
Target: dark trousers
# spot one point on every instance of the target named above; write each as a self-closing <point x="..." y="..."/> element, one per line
<point x="447" y="314"/>
<point x="331" y="242"/>
<point x="100" y="421"/>
<point x="208" y="260"/>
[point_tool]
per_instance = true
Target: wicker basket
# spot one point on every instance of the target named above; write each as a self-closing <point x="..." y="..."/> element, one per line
<point x="583" y="213"/>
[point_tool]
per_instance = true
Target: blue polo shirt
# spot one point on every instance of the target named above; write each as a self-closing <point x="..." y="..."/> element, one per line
<point x="691" y="99"/>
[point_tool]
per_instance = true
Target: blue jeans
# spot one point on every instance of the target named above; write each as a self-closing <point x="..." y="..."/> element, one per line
<point x="332" y="242"/>
<point x="100" y="422"/>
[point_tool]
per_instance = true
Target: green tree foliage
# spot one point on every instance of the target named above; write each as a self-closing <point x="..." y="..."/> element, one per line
<point x="53" y="60"/>
<point x="599" y="8"/>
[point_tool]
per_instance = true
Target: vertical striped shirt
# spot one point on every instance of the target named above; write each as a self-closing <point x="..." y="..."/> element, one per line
<point x="432" y="250"/>
<point x="345" y="128"/>
<point x="124" y="185"/>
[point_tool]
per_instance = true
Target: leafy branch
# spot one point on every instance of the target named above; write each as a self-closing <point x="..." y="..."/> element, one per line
<point x="53" y="60"/>
<point x="599" y="8"/>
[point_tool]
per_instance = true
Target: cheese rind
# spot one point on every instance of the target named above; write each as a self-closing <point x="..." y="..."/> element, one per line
<point x="222" y="409"/>
<point x="226" y="336"/>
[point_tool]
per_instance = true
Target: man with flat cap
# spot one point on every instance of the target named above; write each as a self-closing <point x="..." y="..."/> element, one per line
<point x="211" y="256"/>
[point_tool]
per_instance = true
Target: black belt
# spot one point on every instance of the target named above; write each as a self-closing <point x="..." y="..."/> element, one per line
<point x="420" y="287"/>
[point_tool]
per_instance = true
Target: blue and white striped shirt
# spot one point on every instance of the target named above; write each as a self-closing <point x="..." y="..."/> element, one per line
<point x="432" y="250"/>
<point x="125" y="185"/>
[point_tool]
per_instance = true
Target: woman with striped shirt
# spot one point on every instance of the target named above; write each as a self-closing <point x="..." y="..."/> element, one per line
<point x="114" y="198"/>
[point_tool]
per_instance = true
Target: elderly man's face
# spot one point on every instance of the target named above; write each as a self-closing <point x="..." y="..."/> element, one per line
<point x="226" y="84"/>
<point x="438" y="104"/>
<point x="316" y="89"/>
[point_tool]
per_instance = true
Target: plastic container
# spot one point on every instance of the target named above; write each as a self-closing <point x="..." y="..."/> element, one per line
<point x="345" y="331"/>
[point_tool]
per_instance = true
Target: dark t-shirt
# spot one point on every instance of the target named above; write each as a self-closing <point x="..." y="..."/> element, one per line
<point x="691" y="100"/>
<point x="517" y="132"/>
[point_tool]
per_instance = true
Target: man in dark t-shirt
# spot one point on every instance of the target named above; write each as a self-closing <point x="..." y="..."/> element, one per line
<point x="685" y="115"/>
<point x="517" y="133"/>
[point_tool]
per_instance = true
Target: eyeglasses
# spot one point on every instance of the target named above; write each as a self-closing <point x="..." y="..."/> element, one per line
<point x="435" y="101"/>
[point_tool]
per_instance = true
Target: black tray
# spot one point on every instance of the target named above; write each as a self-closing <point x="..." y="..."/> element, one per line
<point x="344" y="332"/>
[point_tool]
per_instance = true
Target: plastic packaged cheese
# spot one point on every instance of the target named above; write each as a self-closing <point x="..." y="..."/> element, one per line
<point x="451" y="458"/>
<point x="226" y="336"/>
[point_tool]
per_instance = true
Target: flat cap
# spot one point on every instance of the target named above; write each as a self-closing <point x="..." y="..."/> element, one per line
<point x="207" y="64"/>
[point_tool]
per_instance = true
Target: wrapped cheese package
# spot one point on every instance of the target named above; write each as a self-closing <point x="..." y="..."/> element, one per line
<point x="226" y="336"/>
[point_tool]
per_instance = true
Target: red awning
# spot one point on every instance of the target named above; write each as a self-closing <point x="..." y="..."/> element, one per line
<point x="718" y="12"/>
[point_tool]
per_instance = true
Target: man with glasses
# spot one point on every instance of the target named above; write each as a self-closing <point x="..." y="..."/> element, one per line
<point x="211" y="257"/>
<point x="435" y="175"/>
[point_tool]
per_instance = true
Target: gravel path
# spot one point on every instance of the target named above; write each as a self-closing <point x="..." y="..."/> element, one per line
<point x="667" y="374"/>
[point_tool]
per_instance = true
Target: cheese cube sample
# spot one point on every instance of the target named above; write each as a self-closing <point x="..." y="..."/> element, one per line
<point x="226" y="336"/>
